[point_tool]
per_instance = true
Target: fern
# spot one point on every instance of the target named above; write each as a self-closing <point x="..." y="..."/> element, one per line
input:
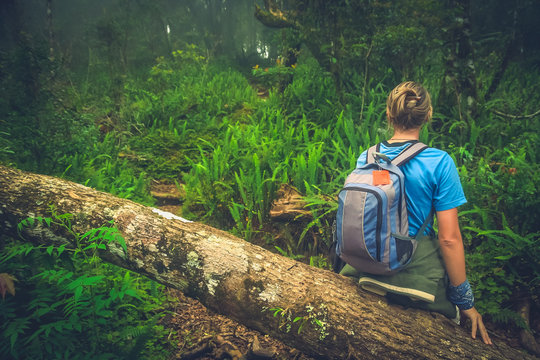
<point x="507" y="316"/>
<point x="72" y="298"/>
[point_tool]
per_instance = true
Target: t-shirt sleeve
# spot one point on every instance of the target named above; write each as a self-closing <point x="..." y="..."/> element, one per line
<point x="449" y="192"/>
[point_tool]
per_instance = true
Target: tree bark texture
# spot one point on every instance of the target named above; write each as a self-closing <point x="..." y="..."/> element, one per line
<point x="258" y="288"/>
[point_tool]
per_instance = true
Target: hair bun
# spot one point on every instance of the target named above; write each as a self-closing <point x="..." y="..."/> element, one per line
<point x="408" y="106"/>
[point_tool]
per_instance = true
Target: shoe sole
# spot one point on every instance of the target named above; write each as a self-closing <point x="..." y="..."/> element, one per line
<point x="381" y="288"/>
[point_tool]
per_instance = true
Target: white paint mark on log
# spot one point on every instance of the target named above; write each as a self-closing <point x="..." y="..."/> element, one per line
<point x="168" y="215"/>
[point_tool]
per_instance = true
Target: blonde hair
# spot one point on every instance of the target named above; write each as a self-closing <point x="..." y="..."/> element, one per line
<point x="408" y="106"/>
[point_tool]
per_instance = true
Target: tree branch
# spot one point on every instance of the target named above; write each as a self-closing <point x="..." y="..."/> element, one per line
<point x="515" y="116"/>
<point x="273" y="17"/>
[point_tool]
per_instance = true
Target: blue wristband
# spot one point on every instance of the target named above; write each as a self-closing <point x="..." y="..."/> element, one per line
<point x="461" y="295"/>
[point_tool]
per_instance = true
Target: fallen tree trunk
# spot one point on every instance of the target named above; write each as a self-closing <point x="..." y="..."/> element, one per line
<point x="262" y="290"/>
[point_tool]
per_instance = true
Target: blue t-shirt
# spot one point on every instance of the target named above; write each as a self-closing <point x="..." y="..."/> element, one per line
<point x="431" y="180"/>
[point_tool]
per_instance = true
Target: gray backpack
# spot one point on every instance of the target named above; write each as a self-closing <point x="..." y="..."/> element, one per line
<point x="372" y="228"/>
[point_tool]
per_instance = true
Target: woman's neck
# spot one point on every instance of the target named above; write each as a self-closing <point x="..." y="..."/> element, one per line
<point x="404" y="135"/>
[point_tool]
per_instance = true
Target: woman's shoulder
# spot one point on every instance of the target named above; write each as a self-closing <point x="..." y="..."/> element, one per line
<point x="435" y="161"/>
<point x="435" y="152"/>
<point x="436" y="155"/>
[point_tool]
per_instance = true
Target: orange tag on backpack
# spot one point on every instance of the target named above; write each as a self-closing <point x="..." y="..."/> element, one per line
<point x="381" y="177"/>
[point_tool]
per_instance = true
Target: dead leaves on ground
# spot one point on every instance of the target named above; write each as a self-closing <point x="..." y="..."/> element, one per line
<point x="7" y="284"/>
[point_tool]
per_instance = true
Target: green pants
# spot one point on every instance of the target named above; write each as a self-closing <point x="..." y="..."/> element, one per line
<point x="425" y="272"/>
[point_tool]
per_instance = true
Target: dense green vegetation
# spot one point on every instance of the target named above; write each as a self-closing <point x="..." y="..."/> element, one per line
<point x="193" y="117"/>
<point x="69" y="297"/>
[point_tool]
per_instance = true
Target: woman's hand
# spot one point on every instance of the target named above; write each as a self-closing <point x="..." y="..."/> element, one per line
<point x="477" y="324"/>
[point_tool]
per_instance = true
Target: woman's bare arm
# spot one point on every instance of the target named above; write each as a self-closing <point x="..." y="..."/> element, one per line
<point x="453" y="255"/>
<point x="451" y="245"/>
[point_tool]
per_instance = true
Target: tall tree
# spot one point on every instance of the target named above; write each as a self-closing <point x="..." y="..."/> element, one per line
<point x="50" y="29"/>
<point x="459" y="88"/>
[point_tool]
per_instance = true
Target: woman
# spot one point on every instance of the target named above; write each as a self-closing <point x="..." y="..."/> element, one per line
<point x="431" y="182"/>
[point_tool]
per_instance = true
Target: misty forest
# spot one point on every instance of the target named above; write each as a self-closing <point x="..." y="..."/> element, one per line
<point x="122" y="120"/>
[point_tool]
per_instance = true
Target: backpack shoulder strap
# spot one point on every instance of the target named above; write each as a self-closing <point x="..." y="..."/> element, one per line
<point x="370" y="158"/>
<point x="426" y="223"/>
<point x="410" y="152"/>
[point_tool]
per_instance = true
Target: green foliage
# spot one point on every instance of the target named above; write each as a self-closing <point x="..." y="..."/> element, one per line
<point x="320" y="262"/>
<point x="188" y="90"/>
<point x="288" y="254"/>
<point x="316" y="317"/>
<point x="105" y="169"/>
<point x="398" y="43"/>
<point x="312" y="94"/>
<point x="236" y="176"/>
<point x="162" y="152"/>
<point x="68" y="300"/>
<point x="39" y="120"/>
<point x="275" y="77"/>
<point x="501" y="263"/>
<point x="498" y="164"/>
<point x="4" y="144"/>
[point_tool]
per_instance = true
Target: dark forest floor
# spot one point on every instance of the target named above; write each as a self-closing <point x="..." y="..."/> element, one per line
<point x="203" y="334"/>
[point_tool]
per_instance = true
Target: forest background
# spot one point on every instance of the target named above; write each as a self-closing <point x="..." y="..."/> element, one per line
<point x="237" y="103"/>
